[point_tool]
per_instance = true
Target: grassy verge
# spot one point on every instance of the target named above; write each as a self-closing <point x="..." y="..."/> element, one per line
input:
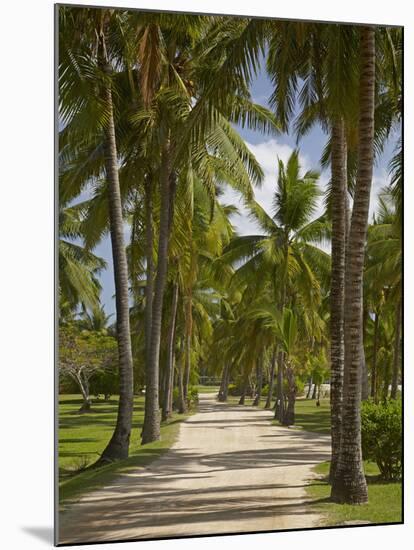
<point x="82" y="438"/>
<point x="311" y="418"/>
<point x="208" y="389"/>
<point x="384" y="499"/>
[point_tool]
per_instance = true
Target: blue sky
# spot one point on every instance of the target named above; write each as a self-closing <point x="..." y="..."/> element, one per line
<point x="267" y="149"/>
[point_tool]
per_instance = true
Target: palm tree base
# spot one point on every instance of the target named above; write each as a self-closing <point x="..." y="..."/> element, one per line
<point x="346" y="490"/>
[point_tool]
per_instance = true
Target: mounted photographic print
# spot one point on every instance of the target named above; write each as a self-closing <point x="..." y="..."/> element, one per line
<point x="229" y="229"/>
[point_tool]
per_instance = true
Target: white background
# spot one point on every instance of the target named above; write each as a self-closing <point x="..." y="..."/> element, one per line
<point x="26" y="273"/>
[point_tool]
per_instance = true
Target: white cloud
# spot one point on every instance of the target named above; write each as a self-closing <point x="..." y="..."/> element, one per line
<point x="267" y="154"/>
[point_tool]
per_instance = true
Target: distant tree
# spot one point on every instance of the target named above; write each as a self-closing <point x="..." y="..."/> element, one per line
<point x="83" y="355"/>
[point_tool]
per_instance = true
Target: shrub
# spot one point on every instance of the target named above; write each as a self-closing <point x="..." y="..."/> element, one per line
<point x="192" y="396"/>
<point x="381" y="431"/>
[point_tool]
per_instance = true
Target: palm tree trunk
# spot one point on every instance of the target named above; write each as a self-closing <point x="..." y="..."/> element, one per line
<point x="222" y="396"/>
<point x="364" y="368"/>
<point x="149" y="251"/>
<point x="243" y="394"/>
<point x="339" y="224"/>
<point x="280" y="403"/>
<point x="188" y="336"/>
<point x="374" y="360"/>
<point x="289" y="416"/>
<point x="182" y="403"/>
<point x="259" y="377"/>
<point x="151" y="427"/>
<point x="118" y="445"/>
<point x="169" y="371"/>
<point x="349" y="484"/>
<point x="310" y="382"/>
<point x="271" y="381"/>
<point x="396" y="361"/>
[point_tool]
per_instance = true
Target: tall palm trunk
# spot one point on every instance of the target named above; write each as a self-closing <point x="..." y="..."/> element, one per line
<point x="396" y="361"/>
<point x="151" y="427"/>
<point x="374" y="359"/>
<point x="118" y="445"/>
<point x="271" y="381"/>
<point x="339" y="224"/>
<point x="259" y="377"/>
<point x="169" y="371"/>
<point x="223" y="391"/>
<point x="149" y="251"/>
<point x="289" y="416"/>
<point x="182" y="403"/>
<point x="364" y="368"/>
<point x="188" y="336"/>
<point x="280" y="402"/>
<point x="349" y="484"/>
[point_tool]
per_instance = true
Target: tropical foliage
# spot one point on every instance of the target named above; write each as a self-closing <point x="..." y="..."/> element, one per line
<point x="151" y="107"/>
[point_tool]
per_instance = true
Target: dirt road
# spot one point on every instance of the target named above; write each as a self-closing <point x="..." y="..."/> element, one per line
<point x="230" y="471"/>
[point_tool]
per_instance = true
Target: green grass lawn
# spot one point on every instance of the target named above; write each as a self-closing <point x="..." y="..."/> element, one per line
<point x="208" y="389"/>
<point x="384" y="499"/>
<point x="83" y="437"/>
<point x="312" y="418"/>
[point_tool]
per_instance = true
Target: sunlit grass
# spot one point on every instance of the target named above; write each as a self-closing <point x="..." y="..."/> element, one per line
<point x="384" y="499"/>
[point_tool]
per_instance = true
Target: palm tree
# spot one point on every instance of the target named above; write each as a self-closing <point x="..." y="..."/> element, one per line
<point x="186" y="114"/>
<point x="349" y="484"/>
<point x="78" y="267"/>
<point x="91" y="52"/>
<point x="384" y="265"/>
<point x="284" y="258"/>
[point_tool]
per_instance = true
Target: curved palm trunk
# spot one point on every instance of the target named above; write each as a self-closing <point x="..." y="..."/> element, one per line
<point x="118" y="446"/>
<point x="339" y="228"/>
<point x="169" y="371"/>
<point x="396" y="361"/>
<point x="268" y="404"/>
<point x="151" y="427"/>
<point x="349" y="484"/>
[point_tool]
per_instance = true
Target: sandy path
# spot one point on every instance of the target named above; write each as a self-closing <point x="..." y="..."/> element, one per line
<point x="229" y="471"/>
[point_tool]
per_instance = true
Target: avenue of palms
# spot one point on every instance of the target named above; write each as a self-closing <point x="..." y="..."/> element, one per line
<point x="150" y="109"/>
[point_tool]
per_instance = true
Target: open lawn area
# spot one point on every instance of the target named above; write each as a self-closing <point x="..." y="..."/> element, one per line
<point x="384" y="499"/>
<point x="208" y="389"/>
<point x="82" y="437"/>
<point x="312" y="418"/>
